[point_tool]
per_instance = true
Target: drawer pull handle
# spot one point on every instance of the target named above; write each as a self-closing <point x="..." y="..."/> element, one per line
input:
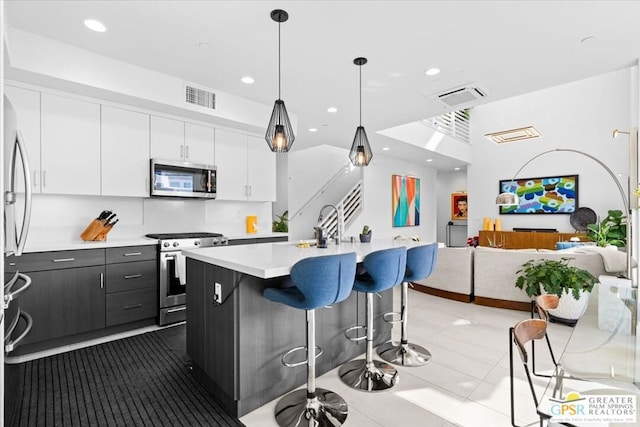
<point x="64" y="259"/>
<point x="127" y="307"/>
<point x="133" y="276"/>
<point x="133" y="254"/>
<point x="174" y="310"/>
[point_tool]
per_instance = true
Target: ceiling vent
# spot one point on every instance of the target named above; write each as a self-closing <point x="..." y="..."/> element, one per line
<point x="512" y="135"/>
<point x="459" y="96"/>
<point x="201" y="97"/>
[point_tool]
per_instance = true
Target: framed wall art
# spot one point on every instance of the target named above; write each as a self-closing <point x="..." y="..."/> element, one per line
<point x="459" y="206"/>
<point x="545" y="195"/>
<point x="405" y="200"/>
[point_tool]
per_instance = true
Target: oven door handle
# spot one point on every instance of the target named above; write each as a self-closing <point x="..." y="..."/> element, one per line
<point x="167" y="256"/>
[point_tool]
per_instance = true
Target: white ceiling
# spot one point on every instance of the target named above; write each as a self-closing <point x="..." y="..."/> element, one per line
<point x="506" y="48"/>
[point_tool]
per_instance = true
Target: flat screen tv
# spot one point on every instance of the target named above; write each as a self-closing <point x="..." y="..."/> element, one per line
<point x="544" y="195"/>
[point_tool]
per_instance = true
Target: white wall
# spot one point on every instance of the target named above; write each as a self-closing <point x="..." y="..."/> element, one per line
<point x="580" y="115"/>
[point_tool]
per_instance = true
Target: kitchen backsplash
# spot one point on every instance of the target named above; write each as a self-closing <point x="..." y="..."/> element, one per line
<point x="63" y="217"/>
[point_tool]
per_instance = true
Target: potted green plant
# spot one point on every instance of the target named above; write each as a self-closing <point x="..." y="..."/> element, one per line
<point x="365" y="236"/>
<point x="281" y="224"/>
<point x="611" y="231"/>
<point x="555" y="276"/>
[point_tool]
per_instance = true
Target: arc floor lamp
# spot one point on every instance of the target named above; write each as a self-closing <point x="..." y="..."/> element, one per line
<point x="508" y="198"/>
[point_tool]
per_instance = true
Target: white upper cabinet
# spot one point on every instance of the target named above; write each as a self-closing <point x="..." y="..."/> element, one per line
<point x="231" y="154"/>
<point x="246" y="167"/>
<point x="199" y="144"/>
<point x="125" y="152"/>
<point x="167" y="139"/>
<point x="70" y="146"/>
<point x="27" y="105"/>
<point x="261" y="170"/>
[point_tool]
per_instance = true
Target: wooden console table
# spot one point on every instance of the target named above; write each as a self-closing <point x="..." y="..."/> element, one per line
<point x="526" y="239"/>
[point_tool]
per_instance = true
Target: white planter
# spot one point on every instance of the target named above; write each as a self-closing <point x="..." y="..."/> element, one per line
<point x="569" y="309"/>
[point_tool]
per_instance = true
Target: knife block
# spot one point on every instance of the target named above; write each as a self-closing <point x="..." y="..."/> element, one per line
<point x="95" y="231"/>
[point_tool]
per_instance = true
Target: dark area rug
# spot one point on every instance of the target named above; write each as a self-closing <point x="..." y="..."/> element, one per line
<point x="143" y="380"/>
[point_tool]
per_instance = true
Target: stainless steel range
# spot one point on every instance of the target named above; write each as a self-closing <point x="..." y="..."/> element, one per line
<point x="172" y="270"/>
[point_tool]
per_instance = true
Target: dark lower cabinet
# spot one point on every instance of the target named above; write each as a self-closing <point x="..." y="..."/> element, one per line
<point x="80" y="293"/>
<point x="65" y="302"/>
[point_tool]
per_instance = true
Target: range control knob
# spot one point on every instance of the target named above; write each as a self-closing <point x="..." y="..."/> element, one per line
<point x="176" y="244"/>
<point x="165" y="244"/>
<point x="197" y="243"/>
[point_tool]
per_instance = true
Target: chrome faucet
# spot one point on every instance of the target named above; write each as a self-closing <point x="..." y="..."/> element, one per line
<point x="339" y="218"/>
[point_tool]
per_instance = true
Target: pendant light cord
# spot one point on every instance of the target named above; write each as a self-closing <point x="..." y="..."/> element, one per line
<point x="279" y="60"/>
<point x="360" y="66"/>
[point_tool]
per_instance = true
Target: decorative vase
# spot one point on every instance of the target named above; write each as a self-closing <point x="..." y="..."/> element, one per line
<point x="365" y="238"/>
<point x="569" y="310"/>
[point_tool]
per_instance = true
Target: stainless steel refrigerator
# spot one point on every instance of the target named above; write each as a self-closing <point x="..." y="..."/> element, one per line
<point x="15" y="324"/>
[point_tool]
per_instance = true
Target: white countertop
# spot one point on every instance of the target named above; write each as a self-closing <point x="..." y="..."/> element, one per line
<point x="69" y="245"/>
<point x="269" y="260"/>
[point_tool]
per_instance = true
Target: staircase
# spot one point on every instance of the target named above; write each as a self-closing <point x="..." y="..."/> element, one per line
<point x="344" y="190"/>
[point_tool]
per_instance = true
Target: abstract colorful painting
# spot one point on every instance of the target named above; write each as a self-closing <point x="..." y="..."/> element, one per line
<point x="405" y="200"/>
<point x="551" y="195"/>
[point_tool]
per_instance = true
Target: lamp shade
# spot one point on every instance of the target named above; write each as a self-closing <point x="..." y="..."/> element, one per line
<point x="507" y="199"/>
<point x="360" y="153"/>
<point x="279" y="134"/>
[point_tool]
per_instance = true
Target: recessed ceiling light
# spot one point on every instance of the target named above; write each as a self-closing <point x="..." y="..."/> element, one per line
<point x="204" y="45"/>
<point x="247" y="80"/>
<point x="386" y="148"/>
<point x="94" y="25"/>
<point x="429" y="160"/>
<point x="432" y="71"/>
<point x="332" y="109"/>
<point x="313" y="130"/>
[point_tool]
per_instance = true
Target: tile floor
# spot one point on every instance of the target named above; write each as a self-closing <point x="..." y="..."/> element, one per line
<point x="465" y="384"/>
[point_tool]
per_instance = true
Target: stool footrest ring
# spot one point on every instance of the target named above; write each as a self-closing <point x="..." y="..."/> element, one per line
<point x="355" y="328"/>
<point x="392" y="320"/>
<point x="319" y="352"/>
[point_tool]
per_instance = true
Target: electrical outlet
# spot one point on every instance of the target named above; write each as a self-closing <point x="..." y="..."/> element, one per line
<point x="217" y="293"/>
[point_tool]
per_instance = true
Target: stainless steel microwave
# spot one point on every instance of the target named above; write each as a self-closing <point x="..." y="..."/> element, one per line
<point x="179" y="179"/>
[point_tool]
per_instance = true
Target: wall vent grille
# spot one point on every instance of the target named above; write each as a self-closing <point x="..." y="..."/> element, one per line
<point x="201" y="97"/>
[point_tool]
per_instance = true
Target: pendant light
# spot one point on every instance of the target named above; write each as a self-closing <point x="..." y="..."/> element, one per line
<point x="279" y="134"/>
<point x="360" y="153"/>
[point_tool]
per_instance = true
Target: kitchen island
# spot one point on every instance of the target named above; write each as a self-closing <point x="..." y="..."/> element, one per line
<point x="236" y="340"/>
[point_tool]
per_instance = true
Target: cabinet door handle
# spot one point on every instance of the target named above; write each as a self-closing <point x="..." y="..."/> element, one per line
<point x="44" y="178"/>
<point x="174" y="310"/>
<point x="101" y="280"/>
<point x="64" y="259"/>
<point x="250" y="191"/>
<point x="181" y="151"/>
<point x="133" y="276"/>
<point x="187" y="151"/>
<point x="128" y="307"/>
<point x="133" y="254"/>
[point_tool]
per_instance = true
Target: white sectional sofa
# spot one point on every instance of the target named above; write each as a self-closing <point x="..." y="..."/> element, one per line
<point x="487" y="276"/>
<point x="453" y="275"/>
<point x="495" y="273"/>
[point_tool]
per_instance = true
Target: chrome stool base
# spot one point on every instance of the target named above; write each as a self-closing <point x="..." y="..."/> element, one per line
<point x="404" y="354"/>
<point x="327" y="409"/>
<point x="378" y="376"/>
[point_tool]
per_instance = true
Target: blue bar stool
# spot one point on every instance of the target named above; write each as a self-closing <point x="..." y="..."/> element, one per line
<point x="384" y="270"/>
<point x="319" y="281"/>
<point x="421" y="261"/>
